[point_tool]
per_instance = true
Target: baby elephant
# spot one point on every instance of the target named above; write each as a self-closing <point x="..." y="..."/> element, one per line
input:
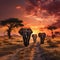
<point x="34" y="36"/>
<point x="42" y="37"/>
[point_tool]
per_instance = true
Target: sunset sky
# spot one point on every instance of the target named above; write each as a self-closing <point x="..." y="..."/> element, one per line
<point x="37" y="14"/>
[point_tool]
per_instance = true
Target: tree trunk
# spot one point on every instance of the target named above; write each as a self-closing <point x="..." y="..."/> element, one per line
<point x="53" y="35"/>
<point x="9" y="33"/>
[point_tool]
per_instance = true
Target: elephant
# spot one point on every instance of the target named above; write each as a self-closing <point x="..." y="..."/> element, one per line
<point x="34" y="36"/>
<point x="42" y="37"/>
<point x="26" y="33"/>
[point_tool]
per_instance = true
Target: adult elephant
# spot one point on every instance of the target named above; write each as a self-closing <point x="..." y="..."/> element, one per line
<point x="26" y="33"/>
<point x="42" y="37"/>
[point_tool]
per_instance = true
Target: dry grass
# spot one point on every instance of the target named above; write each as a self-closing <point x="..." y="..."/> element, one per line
<point x="9" y="46"/>
<point x="52" y="49"/>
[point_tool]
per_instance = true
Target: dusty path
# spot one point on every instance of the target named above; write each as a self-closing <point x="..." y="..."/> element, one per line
<point x="32" y="52"/>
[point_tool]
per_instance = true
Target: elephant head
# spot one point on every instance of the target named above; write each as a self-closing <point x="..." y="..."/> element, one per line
<point x="25" y="31"/>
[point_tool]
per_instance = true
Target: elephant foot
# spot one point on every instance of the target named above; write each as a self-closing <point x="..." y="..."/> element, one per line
<point x="26" y="45"/>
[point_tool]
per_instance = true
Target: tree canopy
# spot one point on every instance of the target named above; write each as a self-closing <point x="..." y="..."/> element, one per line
<point x="14" y="22"/>
<point x="52" y="27"/>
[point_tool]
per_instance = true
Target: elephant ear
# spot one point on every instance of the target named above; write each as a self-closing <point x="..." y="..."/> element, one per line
<point x="30" y="30"/>
<point x="21" y="31"/>
<point x="39" y="34"/>
<point x="44" y="34"/>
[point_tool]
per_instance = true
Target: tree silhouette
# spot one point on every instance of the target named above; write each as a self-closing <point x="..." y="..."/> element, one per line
<point x="11" y="23"/>
<point x="57" y="33"/>
<point x="52" y="28"/>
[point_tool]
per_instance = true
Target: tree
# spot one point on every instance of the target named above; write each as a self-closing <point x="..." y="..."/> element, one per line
<point x="52" y="28"/>
<point x="11" y="23"/>
<point x="57" y="33"/>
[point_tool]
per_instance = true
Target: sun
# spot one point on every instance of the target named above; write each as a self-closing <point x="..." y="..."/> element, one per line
<point x="35" y="31"/>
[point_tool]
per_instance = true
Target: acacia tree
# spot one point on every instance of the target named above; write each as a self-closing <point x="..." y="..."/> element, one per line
<point x="57" y="33"/>
<point x="52" y="28"/>
<point x="11" y="23"/>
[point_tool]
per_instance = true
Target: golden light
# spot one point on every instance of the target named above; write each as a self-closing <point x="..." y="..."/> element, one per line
<point x="35" y="32"/>
<point x="35" y="29"/>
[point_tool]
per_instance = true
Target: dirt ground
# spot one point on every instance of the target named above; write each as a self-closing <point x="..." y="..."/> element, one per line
<point x="14" y="49"/>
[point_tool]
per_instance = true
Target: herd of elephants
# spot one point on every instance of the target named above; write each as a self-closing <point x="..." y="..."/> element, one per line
<point x="26" y="34"/>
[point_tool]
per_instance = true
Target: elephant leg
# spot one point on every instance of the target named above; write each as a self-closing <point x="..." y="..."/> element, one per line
<point x="41" y="41"/>
<point x="25" y="42"/>
<point x="28" y="39"/>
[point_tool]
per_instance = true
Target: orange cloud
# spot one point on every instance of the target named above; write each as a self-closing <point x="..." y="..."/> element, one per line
<point x="18" y="7"/>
